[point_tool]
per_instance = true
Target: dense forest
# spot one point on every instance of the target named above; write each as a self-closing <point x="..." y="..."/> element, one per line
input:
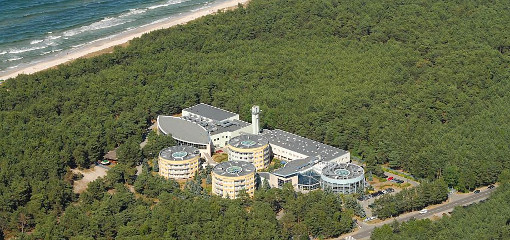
<point x="488" y="220"/>
<point x="418" y="85"/>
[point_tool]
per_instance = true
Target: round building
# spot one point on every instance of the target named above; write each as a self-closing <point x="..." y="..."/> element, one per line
<point x="229" y="178"/>
<point x="179" y="162"/>
<point x="344" y="178"/>
<point x="250" y="148"/>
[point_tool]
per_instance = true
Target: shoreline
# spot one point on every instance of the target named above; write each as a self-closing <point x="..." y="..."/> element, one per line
<point x="107" y="45"/>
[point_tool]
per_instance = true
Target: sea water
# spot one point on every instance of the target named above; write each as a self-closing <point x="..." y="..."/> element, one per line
<point x="32" y="30"/>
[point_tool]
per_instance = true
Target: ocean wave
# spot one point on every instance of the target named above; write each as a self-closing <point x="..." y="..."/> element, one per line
<point x="159" y="6"/>
<point x="22" y="50"/>
<point x="200" y="8"/>
<point x="167" y="4"/>
<point x="14" y="59"/>
<point x="133" y="12"/>
<point x="2" y="53"/>
<point x="77" y="46"/>
<point x="105" y="23"/>
<point x="35" y="42"/>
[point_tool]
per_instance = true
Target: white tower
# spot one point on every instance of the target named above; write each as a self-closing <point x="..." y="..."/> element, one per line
<point x="255" y="110"/>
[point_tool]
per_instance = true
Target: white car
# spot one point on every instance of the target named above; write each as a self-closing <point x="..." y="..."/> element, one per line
<point x="423" y="211"/>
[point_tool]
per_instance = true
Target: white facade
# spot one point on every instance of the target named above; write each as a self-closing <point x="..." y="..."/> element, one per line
<point x="221" y="139"/>
<point x="284" y="153"/>
<point x="255" y="110"/>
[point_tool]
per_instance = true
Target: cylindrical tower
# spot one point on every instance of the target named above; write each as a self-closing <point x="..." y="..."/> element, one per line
<point x="255" y="110"/>
<point x="345" y="178"/>
<point x="178" y="162"/>
<point x="250" y="148"/>
<point x="231" y="177"/>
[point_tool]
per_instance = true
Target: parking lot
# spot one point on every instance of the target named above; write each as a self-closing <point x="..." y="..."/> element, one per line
<point x="391" y="185"/>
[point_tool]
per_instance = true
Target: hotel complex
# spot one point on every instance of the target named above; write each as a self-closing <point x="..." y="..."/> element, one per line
<point x="178" y="162"/>
<point x="309" y="164"/>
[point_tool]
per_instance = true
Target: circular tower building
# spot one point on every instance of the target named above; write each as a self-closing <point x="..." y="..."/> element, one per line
<point x="178" y="162"/>
<point x="231" y="177"/>
<point x="250" y="148"/>
<point x="344" y="178"/>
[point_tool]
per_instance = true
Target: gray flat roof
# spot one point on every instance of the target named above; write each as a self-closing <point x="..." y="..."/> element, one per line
<point x="234" y="126"/>
<point x="210" y="112"/>
<point x="302" y="145"/>
<point x="342" y="171"/>
<point x="179" y="153"/>
<point x="264" y="175"/>
<point x="183" y="130"/>
<point x="248" y="141"/>
<point x="218" y="127"/>
<point x="296" y="166"/>
<point x="242" y="167"/>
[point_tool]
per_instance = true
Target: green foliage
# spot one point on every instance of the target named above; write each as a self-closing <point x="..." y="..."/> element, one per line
<point x="487" y="220"/>
<point x="152" y="186"/>
<point x="120" y="174"/>
<point x="156" y="143"/>
<point x="193" y="187"/>
<point x="411" y="199"/>
<point x="420" y="85"/>
<point x="130" y="153"/>
<point x="155" y="165"/>
<point x="318" y="214"/>
<point x="275" y="164"/>
<point x="349" y="202"/>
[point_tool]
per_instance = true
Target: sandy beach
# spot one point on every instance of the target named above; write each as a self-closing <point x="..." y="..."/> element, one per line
<point x="106" y="45"/>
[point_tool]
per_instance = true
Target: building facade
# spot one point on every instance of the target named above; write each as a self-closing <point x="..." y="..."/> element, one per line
<point x="179" y="162"/>
<point x="250" y="148"/>
<point x="344" y="178"/>
<point x="231" y="177"/>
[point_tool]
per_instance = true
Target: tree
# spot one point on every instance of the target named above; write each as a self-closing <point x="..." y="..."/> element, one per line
<point x="257" y="181"/>
<point x="265" y="185"/>
<point x="395" y="225"/>
<point x="156" y="143"/>
<point x="155" y="165"/>
<point x="129" y="153"/>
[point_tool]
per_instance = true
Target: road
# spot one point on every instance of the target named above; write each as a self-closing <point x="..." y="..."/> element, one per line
<point x="366" y="229"/>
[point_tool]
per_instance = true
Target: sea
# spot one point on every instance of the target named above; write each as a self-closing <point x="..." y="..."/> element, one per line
<point x="34" y="30"/>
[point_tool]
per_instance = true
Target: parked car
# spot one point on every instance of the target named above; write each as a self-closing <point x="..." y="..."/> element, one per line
<point x="423" y="211"/>
<point x="390" y="178"/>
<point x="398" y="180"/>
<point x="477" y="191"/>
<point x="363" y="198"/>
<point x="491" y="186"/>
<point x="376" y="194"/>
<point x="390" y="190"/>
<point x="369" y="219"/>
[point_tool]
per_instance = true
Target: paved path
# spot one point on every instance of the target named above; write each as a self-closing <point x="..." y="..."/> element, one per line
<point x="209" y="160"/>
<point x="462" y="200"/>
